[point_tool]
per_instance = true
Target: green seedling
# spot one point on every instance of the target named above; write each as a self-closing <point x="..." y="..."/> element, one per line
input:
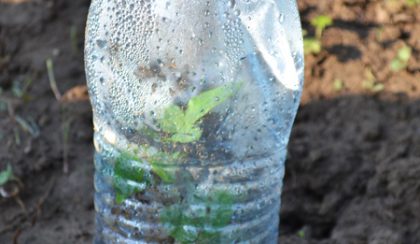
<point x="338" y="85"/>
<point x="301" y="234"/>
<point x="129" y="177"/>
<point x="412" y="3"/>
<point x="216" y="212"/>
<point x="321" y="22"/>
<point x="400" y="62"/>
<point x="6" y="175"/>
<point x="178" y="126"/>
<point x="28" y="126"/>
<point x="12" y="190"/>
<point x="51" y="77"/>
<point x="182" y="126"/>
<point x="160" y="160"/>
<point x="370" y="82"/>
<point x="134" y="174"/>
<point x="313" y="44"/>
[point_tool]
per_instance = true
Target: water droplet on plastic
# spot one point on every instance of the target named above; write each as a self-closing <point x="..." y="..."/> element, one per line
<point x="281" y="18"/>
<point x="101" y="43"/>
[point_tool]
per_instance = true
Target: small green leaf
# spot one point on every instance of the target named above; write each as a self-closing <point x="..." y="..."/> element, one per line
<point x="128" y="167"/>
<point x="338" y="85"/>
<point x="148" y="132"/>
<point x="311" y="45"/>
<point x="400" y="62"/>
<point x="191" y="134"/>
<point x="320" y="22"/>
<point x="188" y="224"/>
<point x="404" y="53"/>
<point x="173" y="120"/>
<point x="412" y="3"/>
<point x="207" y="237"/>
<point x="164" y="158"/>
<point x="373" y="86"/>
<point x="176" y="220"/>
<point x="172" y="215"/>
<point x="378" y="87"/>
<point x="165" y="175"/>
<point x="301" y="233"/>
<point x="222" y="217"/>
<point x="159" y="160"/>
<point x="203" y="103"/>
<point x="125" y="188"/>
<point x="6" y="175"/>
<point x="220" y="203"/>
<point x="222" y="197"/>
<point x="397" y="65"/>
<point x="184" y="235"/>
<point x="129" y="177"/>
<point x="120" y="198"/>
<point x="182" y="125"/>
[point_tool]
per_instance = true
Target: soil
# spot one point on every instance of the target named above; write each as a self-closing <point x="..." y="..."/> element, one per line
<point x="353" y="170"/>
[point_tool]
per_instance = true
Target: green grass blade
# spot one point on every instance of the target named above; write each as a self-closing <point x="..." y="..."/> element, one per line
<point x="6" y="175"/>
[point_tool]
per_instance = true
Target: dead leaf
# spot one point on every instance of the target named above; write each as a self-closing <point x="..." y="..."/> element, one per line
<point x="76" y="94"/>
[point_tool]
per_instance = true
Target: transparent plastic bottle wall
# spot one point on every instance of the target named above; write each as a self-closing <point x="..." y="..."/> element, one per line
<point x="223" y="185"/>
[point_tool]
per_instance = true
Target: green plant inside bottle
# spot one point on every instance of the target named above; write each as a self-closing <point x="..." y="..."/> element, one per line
<point x="178" y="125"/>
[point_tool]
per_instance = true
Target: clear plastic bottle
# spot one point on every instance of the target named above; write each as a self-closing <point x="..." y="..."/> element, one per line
<point x="193" y="105"/>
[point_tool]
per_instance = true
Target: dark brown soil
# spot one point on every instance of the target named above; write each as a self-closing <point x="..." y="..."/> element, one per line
<point x="353" y="171"/>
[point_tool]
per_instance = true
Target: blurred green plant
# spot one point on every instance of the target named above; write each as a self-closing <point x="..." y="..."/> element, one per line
<point x="321" y="22"/>
<point x="129" y="176"/>
<point x="338" y="85"/>
<point x="178" y="125"/>
<point x="216" y="213"/>
<point x="53" y="83"/>
<point x="11" y="190"/>
<point x="28" y="125"/>
<point x="400" y="62"/>
<point x="412" y="3"/>
<point x="370" y="82"/>
<point x="144" y="167"/>
<point x="183" y="125"/>
<point x="20" y="88"/>
<point x="313" y="45"/>
<point x="301" y="234"/>
<point x="7" y="175"/>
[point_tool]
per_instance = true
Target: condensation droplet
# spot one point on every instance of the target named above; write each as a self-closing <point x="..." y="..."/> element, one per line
<point x="281" y="18"/>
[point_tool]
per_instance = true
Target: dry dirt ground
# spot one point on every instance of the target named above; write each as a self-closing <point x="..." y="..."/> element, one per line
<point x="353" y="170"/>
